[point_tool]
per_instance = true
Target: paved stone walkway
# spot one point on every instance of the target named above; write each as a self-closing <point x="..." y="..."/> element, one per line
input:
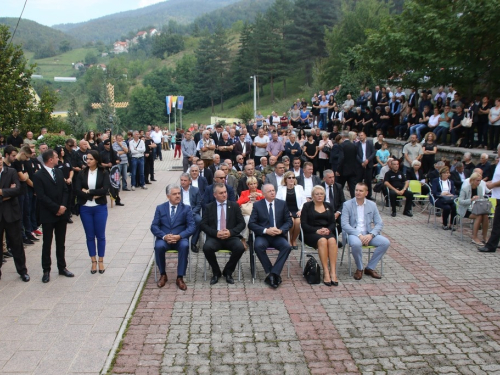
<point x="69" y="325"/>
<point x="436" y="311"/>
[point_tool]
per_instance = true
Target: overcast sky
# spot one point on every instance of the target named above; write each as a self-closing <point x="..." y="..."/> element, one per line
<point x="52" y="12"/>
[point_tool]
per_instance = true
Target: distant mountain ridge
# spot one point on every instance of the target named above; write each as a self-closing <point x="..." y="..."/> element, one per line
<point x="31" y="34"/>
<point x="111" y="27"/>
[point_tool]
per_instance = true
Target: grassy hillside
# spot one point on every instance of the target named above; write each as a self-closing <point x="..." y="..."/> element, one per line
<point x="112" y="27"/>
<point x="31" y="34"/>
<point x="60" y="65"/>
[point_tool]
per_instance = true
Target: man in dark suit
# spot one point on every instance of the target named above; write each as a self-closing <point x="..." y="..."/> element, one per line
<point x="376" y="96"/>
<point x="208" y="197"/>
<point x="413" y="98"/>
<point x="196" y="180"/>
<point x="216" y="163"/>
<point x="365" y="157"/>
<point x="249" y="171"/>
<point x="222" y="223"/>
<point x="172" y="226"/>
<point x="191" y="197"/>
<point x="348" y="163"/>
<point x="52" y="196"/>
<point x="308" y="180"/>
<point x="217" y="135"/>
<point x="10" y="219"/>
<point x="205" y="172"/>
<point x="334" y="196"/>
<point x="243" y="148"/>
<point x="270" y="221"/>
<point x="459" y="175"/>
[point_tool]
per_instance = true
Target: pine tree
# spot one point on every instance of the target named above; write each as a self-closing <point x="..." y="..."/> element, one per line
<point x="107" y="117"/>
<point x="74" y="120"/>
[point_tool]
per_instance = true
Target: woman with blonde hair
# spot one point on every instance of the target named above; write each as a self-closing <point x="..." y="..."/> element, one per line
<point x="295" y="197"/>
<point x="469" y="194"/>
<point x="246" y="200"/>
<point x="318" y="224"/>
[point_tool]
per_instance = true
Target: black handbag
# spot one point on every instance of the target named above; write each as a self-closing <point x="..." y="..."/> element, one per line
<point x="312" y="271"/>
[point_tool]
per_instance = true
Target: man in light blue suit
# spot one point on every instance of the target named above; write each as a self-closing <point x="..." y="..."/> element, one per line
<point x="358" y="215"/>
<point x="172" y="225"/>
<point x="191" y="197"/>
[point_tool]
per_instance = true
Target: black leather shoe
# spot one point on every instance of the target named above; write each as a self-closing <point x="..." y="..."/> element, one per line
<point x="153" y="179"/>
<point x="229" y="279"/>
<point x="70" y="221"/>
<point x="393" y="214"/>
<point x="27" y="241"/>
<point x="195" y="249"/>
<point x="277" y="280"/>
<point x="408" y="213"/>
<point x="7" y="254"/>
<point x="485" y="249"/>
<point x="32" y="238"/>
<point x="46" y="277"/>
<point x="214" y="280"/>
<point x="335" y="283"/>
<point x="66" y="273"/>
<point x="148" y="183"/>
<point x="25" y="277"/>
<point x="125" y="189"/>
<point x="269" y="280"/>
<point x="119" y="204"/>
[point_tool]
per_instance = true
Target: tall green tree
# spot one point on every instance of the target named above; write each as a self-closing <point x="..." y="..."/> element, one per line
<point x="106" y="116"/>
<point x="15" y="75"/>
<point x="220" y="45"/>
<point x="206" y="78"/>
<point x="75" y="120"/>
<point x="432" y="44"/>
<point x="145" y="108"/>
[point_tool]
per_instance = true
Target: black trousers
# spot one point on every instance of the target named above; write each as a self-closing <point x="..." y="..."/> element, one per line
<point x="15" y="239"/>
<point x="494" y="136"/>
<point x="409" y="199"/>
<point x="495" y="230"/>
<point x="366" y="176"/>
<point x="351" y="182"/>
<point x="49" y="229"/>
<point x="212" y="245"/>
<point x="149" y="167"/>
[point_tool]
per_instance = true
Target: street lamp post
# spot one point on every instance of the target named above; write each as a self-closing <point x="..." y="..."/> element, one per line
<point x="254" y="95"/>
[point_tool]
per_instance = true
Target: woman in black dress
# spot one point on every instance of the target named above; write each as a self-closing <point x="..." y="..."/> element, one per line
<point x="430" y="150"/>
<point x="310" y="150"/>
<point x="318" y="224"/>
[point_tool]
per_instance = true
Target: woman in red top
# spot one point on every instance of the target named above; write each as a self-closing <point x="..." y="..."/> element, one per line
<point x="249" y="196"/>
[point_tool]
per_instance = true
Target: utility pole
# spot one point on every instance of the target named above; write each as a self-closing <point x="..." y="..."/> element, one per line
<point x="254" y="95"/>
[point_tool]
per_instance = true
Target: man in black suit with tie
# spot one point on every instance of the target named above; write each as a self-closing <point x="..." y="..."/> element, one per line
<point x="10" y="219"/>
<point x="191" y="197"/>
<point x="334" y="195"/>
<point x="270" y="221"/>
<point x="376" y="96"/>
<point x="365" y="157"/>
<point x="52" y="196"/>
<point x="348" y="163"/>
<point x="205" y="172"/>
<point x="413" y="99"/>
<point x="222" y="223"/>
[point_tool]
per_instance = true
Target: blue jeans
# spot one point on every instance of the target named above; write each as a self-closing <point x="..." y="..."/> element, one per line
<point x="441" y="131"/>
<point x="417" y="129"/>
<point x="380" y="242"/>
<point x="137" y="167"/>
<point x="158" y="151"/>
<point x="123" y="172"/>
<point x="94" y="222"/>
<point x="323" y="119"/>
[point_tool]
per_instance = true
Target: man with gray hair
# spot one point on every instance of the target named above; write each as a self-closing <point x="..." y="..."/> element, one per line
<point x="468" y="164"/>
<point x="188" y="148"/>
<point x="485" y="166"/>
<point x="172" y="226"/>
<point x="191" y="197"/>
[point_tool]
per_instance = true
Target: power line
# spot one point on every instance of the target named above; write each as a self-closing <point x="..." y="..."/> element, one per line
<point x="19" y="19"/>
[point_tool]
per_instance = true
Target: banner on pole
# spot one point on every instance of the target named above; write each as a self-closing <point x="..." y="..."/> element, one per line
<point x="174" y="101"/>
<point x="180" y="102"/>
<point x="168" y="100"/>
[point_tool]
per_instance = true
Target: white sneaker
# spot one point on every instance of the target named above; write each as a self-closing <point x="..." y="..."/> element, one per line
<point x="144" y="188"/>
<point x="133" y="188"/>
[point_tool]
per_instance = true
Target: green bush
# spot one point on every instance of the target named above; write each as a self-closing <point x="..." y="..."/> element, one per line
<point x="245" y="113"/>
<point x="53" y="140"/>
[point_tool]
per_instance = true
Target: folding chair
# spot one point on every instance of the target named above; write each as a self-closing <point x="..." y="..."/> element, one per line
<point x="304" y="252"/>
<point x="493" y="207"/>
<point x="416" y="188"/>
<point x="369" y="249"/>
<point x="254" y="275"/>
<point x="171" y="254"/>
<point x="433" y="210"/>
<point x="459" y="220"/>
<point x="399" y="198"/>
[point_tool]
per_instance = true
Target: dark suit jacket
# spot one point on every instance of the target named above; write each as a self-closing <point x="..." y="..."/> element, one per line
<point x="208" y="175"/>
<point x="338" y="196"/>
<point x="234" y="219"/>
<point x="436" y="188"/>
<point x="238" y="150"/>
<point x="370" y="152"/>
<point x="195" y="199"/>
<point x="413" y="99"/>
<point x="376" y="99"/>
<point x="348" y="164"/>
<point x="9" y="205"/>
<point x="242" y="184"/>
<point x="202" y="184"/>
<point x="316" y="180"/>
<point x="101" y="187"/>
<point x="212" y="168"/>
<point x="208" y="197"/>
<point x="50" y="195"/>
<point x="307" y="222"/>
<point x="183" y="223"/>
<point x="215" y="137"/>
<point x="410" y="175"/>
<point x="259" y="219"/>
<point x="455" y="177"/>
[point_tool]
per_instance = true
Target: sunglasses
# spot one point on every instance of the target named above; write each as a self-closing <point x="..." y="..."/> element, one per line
<point x="290" y="178"/>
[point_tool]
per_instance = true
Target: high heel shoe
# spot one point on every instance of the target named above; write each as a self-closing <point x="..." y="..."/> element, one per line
<point x="335" y="283"/>
<point x="93" y="271"/>
<point x="327" y="283"/>
<point x="101" y="271"/>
